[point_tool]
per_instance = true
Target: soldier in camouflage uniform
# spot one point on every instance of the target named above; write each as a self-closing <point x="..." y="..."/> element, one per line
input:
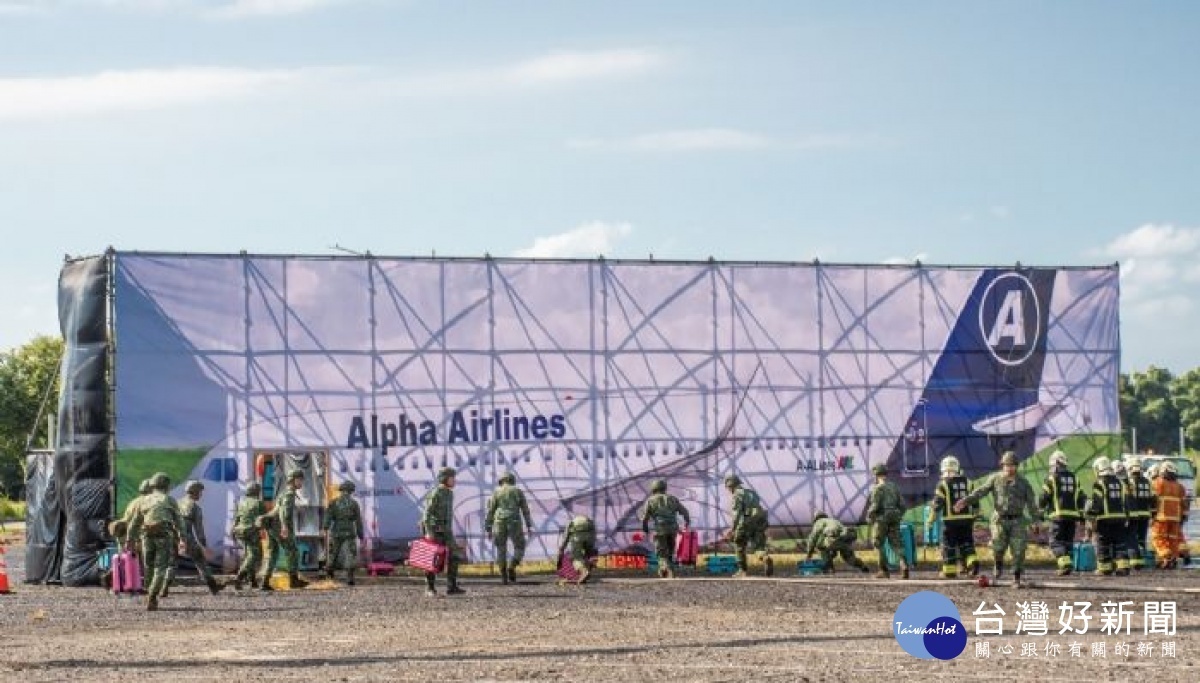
<point x="832" y="538"/>
<point x="343" y="530"/>
<point x="665" y="510"/>
<point x="157" y="521"/>
<point x="749" y="526"/>
<point x="580" y="538"/>
<point x="280" y="524"/>
<point x="1012" y="496"/>
<point x="505" y="509"/>
<point x="192" y="516"/>
<point x="248" y="531"/>
<point x="437" y="523"/>
<point x="885" y="509"/>
<point x="119" y="529"/>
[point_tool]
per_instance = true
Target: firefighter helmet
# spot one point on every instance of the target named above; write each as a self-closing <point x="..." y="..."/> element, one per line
<point x="1058" y="460"/>
<point x="1102" y="465"/>
<point x="950" y="465"/>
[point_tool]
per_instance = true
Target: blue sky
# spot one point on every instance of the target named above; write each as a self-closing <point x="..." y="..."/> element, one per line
<point x="959" y="132"/>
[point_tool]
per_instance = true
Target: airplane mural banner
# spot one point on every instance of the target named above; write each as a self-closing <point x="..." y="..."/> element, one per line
<point x="590" y="379"/>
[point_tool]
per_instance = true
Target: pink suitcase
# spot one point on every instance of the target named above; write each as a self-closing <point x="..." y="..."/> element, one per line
<point x="686" y="547"/>
<point x="566" y="569"/>
<point x="427" y="555"/>
<point x="126" y="573"/>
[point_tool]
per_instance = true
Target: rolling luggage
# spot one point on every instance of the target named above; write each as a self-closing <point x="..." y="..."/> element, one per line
<point x="1083" y="557"/>
<point x="427" y="555"/>
<point x="686" y="547"/>
<point x="566" y="569"/>
<point x="126" y="574"/>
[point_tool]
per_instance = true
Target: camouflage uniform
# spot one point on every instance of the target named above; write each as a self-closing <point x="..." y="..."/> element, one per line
<point x="580" y="539"/>
<point x="192" y="516"/>
<point x="832" y="538"/>
<point x="885" y="509"/>
<point x="280" y="525"/>
<point x="664" y="509"/>
<point x="749" y="526"/>
<point x="1011" y="498"/>
<point x="344" y="528"/>
<point x="437" y="523"/>
<point x="158" y="523"/>
<point x="248" y="531"/>
<point x="124" y="538"/>
<point x="505" y="509"/>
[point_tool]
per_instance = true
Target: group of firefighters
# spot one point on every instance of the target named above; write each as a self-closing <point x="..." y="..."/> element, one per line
<point x="1122" y="506"/>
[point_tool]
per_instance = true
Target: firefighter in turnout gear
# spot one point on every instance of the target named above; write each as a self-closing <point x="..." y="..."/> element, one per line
<point x="884" y="512"/>
<point x="1105" y="510"/>
<point x="1012" y="497"/>
<point x="1169" y="515"/>
<point x="958" y="528"/>
<point x="1063" y="501"/>
<point x="1141" y="503"/>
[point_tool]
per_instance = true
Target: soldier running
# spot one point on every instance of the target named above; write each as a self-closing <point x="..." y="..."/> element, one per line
<point x="343" y="530"/>
<point x="1012" y="496"/>
<point x="505" y="509"/>
<point x="194" y="541"/>
<point x="157" y="521"/>
<point x="664" y="509"/>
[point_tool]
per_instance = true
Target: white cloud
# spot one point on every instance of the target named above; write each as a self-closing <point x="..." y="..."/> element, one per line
<point x="716" y="140"/>
<point x="218" y="9"/>
<point x="1159" y="272"/>
<point x="588" y="240"/>
<point x="560" y="67"/>
<point x="109" y="91"/>
<point x="239" y="9"/>
<point x="905" y="260"/>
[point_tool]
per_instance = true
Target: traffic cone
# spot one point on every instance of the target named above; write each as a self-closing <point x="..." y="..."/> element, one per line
<point x="3" y="573"/>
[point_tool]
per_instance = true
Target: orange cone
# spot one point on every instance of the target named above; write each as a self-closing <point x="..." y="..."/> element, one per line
<point x="3" y="573"/>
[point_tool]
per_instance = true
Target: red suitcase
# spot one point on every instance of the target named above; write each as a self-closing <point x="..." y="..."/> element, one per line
<point x="427" y="555"/>
<point x="126" y="573"/>
<point x="566" y="569"/>
<point x="686" y="547"/>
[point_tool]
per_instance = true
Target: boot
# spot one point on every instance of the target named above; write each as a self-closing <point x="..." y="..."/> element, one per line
<point x="584" y="574"/>
<point x="453" y="588"/>
<point x="350" y="577"/>
<point x="883" y="572"/>
<point x="974" y="568"/>
<point x="163" y="594"/>
<point x="504" y="581"/>
<point x="253" y="581"/>
<point x="999" y="571"/>
<point x="512" y="573"/>
<point x="265" y="584"/>
<point x="669" y="573"/>
<point x="329" y="574"/>
<point x="152" y="604"/>
<point x="237" y="581"/>
<point x="1017" y="578"/>
<point x="213" y="586"/>
<point x="904" y="571"/>
<point x="294" y="581"/>
<point x="862" y="567"/>
<point x="430" y="588"/>
<point x="768" y="566"/>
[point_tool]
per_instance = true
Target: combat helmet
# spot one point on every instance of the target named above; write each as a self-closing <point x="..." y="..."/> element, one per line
<point x="733" y="481"/>
<point x="659" y="486"/>
<point x="193" y="486"/>
<point x="144" y="487"/>
<point x="160" y="482"/>
<point x="819" y="515"/>
<point x="295" y="474"/>
<point x="950" y="465"/>
<point x="507" y="478"/>
<point x="253" y="489"/>
<point x="347" y="486"/>
<point x="879" y="470"/>
<point x="1058" y="460"/>
<point x="445" y="473"/>
<point x="1009" y="458"/>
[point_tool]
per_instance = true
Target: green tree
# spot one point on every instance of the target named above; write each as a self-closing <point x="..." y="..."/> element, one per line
<point x="1185" y="392"/>
<point x="1147" y="404"/>
<point x="25" y="374"/>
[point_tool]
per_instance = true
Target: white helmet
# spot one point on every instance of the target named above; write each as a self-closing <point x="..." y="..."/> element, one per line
<point x="1152" y="471"/>
<point x="1168" y="467"/>
<point x="950" y="465"/>
<point x="1058" y="459"/>
<point x="1118" y="468"/>
<point x="1133" y="463"/>
<point x="1102" y="465"/>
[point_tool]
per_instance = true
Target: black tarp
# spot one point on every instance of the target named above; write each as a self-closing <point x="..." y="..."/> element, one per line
<point x="43" y="518"/>
<point x="82" y="462"/>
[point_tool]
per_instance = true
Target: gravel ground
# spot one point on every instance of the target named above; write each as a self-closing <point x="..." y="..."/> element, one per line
<point x="690" y="629"/>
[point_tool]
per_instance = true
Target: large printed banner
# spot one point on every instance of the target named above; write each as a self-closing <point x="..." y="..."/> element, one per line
<point x="591" y="379"/>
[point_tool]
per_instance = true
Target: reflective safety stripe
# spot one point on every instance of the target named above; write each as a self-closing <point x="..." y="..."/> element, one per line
<point x="1169" y="509"/>
<point x="1064" y="561"/>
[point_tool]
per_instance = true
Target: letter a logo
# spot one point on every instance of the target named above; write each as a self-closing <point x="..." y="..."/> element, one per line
<point x="1010" y="318"/>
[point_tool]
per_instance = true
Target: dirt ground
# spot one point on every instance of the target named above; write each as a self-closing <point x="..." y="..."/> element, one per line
<point x="625" y="627"/>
